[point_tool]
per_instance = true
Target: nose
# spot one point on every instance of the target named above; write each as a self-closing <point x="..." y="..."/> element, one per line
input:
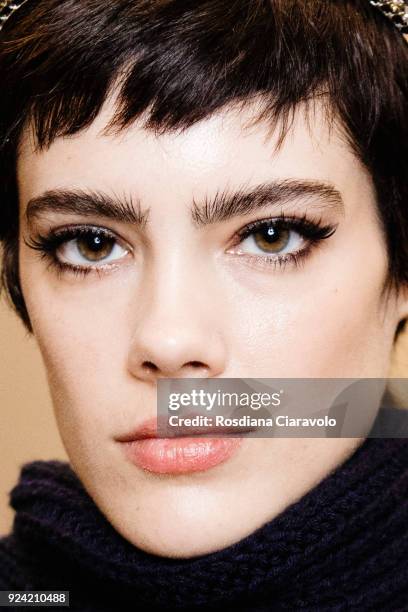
<point x="177" y="333"/>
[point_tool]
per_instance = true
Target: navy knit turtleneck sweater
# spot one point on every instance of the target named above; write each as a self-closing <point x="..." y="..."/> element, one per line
<point x="342" y="546"/>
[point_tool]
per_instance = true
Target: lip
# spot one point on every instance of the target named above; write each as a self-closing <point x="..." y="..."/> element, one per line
<point x="149" y="429"/>
<point x="182" y="454"/>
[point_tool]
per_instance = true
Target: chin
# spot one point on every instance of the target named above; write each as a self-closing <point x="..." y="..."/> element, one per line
<point x="172" y="539"/>
<point x="174" y="522"/>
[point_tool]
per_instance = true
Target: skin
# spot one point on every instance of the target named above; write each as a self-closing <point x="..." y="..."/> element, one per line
<point x="182" y="301"/>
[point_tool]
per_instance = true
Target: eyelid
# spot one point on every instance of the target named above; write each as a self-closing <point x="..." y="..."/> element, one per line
<point x="311" y="229"/>
<point x="313" y="232"/>
<point x="48" y="245"/>
<point x="77" y="230"/>
<point x="68" y="235"/>
<point x="65" y="234"/>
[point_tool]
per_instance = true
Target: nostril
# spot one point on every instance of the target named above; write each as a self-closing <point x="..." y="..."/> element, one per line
<point x="149" y="365"/>
<point x="196" y="364"/>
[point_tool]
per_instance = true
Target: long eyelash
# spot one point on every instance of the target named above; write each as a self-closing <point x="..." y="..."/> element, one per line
<point x="47" y="246"/>
<point x="313" y="231"/>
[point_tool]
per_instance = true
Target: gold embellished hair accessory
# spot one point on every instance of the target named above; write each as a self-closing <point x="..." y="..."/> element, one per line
<point x="396" y="11"/>
<point x="7" y="8"/>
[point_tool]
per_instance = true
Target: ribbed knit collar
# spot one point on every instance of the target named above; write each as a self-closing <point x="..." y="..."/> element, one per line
<point x="343" y="545"/>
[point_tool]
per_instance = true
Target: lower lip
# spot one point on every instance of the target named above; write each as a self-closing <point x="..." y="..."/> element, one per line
<point x="180" y="455"/>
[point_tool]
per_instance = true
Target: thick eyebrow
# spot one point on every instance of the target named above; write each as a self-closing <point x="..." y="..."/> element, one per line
<point x="88" y="204"/>
<point x="223" y="206"/>
<point x="226" y="205"/>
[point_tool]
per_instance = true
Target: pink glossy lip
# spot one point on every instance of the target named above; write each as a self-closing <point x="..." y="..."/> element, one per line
<point x="178" y="455"/>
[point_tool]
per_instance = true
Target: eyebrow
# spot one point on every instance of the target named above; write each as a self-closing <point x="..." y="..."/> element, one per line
<point x="221" y="207"/>
<point x="226" y="205"/>
<point x="88" y="204"/>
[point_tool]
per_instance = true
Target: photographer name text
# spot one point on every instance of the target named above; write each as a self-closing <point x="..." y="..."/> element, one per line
<point x="248" y="421"/>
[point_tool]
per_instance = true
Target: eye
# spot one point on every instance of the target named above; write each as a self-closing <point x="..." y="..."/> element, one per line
<point x="80" y="249"/>
<point x="93" y="247"/>
<point x="280" y="241"/>
<point x="271" y="239"/>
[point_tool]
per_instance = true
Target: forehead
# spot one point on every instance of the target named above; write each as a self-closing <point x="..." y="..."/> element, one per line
<point x="229" y="148"/>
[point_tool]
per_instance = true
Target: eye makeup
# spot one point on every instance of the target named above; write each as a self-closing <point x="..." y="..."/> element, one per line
<point x="95" y="244"/>
<point x="270" y="232"/>
<point x="98" y="242"/>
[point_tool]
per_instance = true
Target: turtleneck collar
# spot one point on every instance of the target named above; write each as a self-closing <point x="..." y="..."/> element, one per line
<point x="342" y="545"/>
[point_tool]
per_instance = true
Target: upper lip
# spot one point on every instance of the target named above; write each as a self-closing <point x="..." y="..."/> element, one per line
<point x="148" y="429"/>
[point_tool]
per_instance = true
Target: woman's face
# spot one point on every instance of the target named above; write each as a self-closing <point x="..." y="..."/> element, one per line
<point x="175" y="290"/>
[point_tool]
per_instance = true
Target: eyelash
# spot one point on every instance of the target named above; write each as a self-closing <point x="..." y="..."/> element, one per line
<point x="313" y="231"/>
<point x="48" y="245"/>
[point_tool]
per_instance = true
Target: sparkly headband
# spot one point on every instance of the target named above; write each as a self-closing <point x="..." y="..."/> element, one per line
<point x="395" y="10"/>
<point x="7" y="8"/>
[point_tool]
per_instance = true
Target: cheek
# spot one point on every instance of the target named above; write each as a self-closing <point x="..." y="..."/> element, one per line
<point x="81" y="334"/>
<point x="326" y="319"/>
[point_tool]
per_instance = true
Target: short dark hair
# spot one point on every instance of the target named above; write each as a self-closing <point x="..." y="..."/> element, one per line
<point x="179" y="61"/>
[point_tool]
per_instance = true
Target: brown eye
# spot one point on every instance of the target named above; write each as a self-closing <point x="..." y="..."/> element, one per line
<point x="91" y="247"/>
<point x="272" y="239"/>
<point x="95" y="247"/>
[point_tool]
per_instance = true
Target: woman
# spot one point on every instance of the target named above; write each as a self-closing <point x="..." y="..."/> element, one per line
<point x="206" y="190"/>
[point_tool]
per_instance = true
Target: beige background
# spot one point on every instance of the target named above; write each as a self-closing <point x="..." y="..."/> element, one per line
<point x="27" y="426"/>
